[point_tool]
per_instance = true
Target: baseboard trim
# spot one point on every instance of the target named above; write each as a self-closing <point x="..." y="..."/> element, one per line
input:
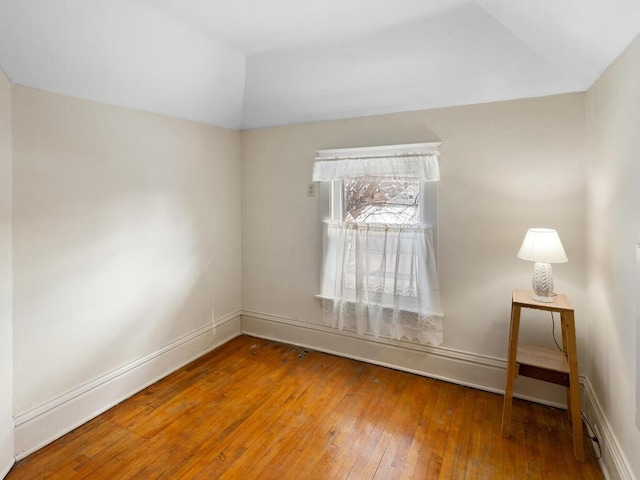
<point x="45" y="423"/>
<point x="613" y="462"/>
<point x="41" y="425"/>
<point x="6" y="447"/>
<point x="463" y="368"/>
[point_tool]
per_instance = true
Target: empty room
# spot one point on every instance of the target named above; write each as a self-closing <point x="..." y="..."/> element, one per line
<point x="319" y="240"/>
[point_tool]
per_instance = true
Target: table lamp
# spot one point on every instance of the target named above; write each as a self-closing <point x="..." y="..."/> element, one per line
<point x="543" y="246"/>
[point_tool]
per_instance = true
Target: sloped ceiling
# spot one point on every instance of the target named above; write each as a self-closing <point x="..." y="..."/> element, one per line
<point x="249" y="63"/>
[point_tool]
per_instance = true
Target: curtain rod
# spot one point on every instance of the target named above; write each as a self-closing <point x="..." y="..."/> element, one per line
<point x="431" y="153"/>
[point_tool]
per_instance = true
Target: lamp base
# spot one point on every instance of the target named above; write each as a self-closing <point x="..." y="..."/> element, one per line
<point x="542" y="282"/>
<point x="538" y="298"/>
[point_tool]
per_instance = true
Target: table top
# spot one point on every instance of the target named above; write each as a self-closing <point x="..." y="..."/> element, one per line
<point x="524" y="298"/>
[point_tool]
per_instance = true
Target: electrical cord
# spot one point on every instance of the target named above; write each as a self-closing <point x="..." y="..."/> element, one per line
<point x="553" y="331"/>
<point x="592" y="436"/>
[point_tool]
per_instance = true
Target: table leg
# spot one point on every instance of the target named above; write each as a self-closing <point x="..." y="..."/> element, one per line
<point x="512" y="370"/>
<point x="568" y="321"/>
<point x="563" y="326"/>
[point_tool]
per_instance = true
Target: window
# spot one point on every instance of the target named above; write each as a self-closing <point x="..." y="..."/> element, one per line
<point x="379" y="272"/>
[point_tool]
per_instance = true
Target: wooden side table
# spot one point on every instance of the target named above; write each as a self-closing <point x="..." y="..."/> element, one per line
<point x="545" y="364"/>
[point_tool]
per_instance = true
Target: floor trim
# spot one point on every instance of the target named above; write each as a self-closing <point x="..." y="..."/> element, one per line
<point x="6" y="447"/>
<point x="614" y="463"/>
<point x="469" y="369"/>
<point x="464" y="368"/>
<point x="45" y="423"/>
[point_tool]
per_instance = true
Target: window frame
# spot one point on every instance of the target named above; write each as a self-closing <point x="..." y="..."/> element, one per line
<point x="332" y="205"/>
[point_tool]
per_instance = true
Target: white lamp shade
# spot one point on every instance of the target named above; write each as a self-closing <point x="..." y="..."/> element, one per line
<point x="542" y="245"/>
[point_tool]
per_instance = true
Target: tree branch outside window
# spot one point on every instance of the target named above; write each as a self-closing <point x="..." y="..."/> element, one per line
<point x="382" y="200"/>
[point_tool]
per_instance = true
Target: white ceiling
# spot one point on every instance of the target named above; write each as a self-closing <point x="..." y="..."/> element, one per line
<point x="255" y="63"/>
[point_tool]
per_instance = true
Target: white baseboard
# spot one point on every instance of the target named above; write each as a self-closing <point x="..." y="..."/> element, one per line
<point x="469" y="369"/>
<point x="614" y="464"/>
<point x="43" y="424"/>
<point x="6" y="447"/>
<point x="473" y="370"/>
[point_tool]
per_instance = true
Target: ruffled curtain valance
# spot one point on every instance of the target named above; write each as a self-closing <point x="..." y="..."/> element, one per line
<point x="397" y="161"/>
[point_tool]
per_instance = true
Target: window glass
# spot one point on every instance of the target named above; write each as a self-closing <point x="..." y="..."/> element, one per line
<point x="382" y="200"/>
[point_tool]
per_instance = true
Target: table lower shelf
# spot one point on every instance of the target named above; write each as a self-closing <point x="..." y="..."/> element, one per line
<point x="543" y="364"/>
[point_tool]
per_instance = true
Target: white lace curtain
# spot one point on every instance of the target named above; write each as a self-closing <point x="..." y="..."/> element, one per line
<point x="381" y="279"/>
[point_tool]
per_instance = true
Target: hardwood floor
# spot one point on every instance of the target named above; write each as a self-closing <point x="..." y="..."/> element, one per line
<point x="259" y="409"/>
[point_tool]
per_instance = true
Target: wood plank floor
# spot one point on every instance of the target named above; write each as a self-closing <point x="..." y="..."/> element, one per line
<point x="259" y="409"/>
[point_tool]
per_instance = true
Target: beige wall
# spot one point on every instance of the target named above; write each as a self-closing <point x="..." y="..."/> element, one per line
<point x="613" y="231"/>
<point x="6" y="278"/>
<point x="127" y="229"/>
<point x="505" y="167"/>
<point x="126" y="234"/>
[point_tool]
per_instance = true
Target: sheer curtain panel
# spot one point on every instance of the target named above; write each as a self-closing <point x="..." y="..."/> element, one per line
<point x="382" y="280"/>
